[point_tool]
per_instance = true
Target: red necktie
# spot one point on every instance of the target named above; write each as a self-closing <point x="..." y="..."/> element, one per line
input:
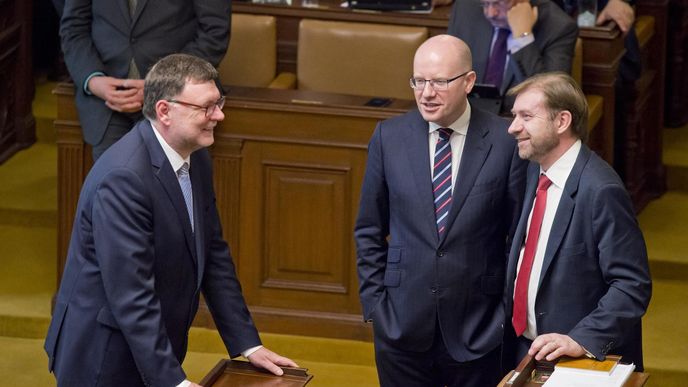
<point x="519" y="318"/>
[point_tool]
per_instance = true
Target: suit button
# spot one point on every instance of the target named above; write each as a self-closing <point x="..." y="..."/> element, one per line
<point x="433" y="290"/>
<point x="440" y="253"/>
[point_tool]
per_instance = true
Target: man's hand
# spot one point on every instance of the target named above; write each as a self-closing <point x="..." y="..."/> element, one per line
<point x="265" y="358"/>
<point x="619" y="11"/>
<point x="122" y="95"/>
<point x="194" y="385"/>
<point x="553" y="345"/>
<point x="521" y="18"/>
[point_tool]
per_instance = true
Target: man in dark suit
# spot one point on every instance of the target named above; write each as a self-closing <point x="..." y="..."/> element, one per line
<point x="146" y="241"/>
<point x="110" y="44"/>
<point x="439" y="202"/>
<point x="578" y="281"/>
<point x="512" y="40"/>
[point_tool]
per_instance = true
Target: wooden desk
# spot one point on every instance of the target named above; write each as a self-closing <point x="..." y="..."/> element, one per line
<point x="234" y="373"/>
<point x="637" y="379"/>
<point x="289" y="16"/>
<point x="288" y="167"/>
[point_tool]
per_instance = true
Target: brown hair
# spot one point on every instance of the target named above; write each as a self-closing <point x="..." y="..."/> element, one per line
<point x="167" y="78"/>
<point x="561" y="93"/>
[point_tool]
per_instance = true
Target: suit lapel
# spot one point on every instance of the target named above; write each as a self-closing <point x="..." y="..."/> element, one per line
<point x="168" y="179"/>
<point x="124" y="7"/>
<point x="199" y="221"/>
<point x="481" y="51"/>
<point x="520" y="233"/>
<point x="416" y="142"/>
<point x="140" y="5"/>
<point x="475" y="151"/>
<point x="564" y="213"/>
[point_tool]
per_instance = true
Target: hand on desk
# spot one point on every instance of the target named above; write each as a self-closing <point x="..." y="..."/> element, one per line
<point x="265" y="358"/>
<point x="619" y="11"/>
<point x="122" y="95"/>
<point x="553" y="345"/>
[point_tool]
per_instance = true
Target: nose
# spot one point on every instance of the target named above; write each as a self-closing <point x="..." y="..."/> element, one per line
<point x="218" y="114"/>
<point x="515" y="127"/>
<point x="428" y="90"/>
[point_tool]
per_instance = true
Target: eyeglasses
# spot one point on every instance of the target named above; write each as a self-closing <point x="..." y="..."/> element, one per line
<point x="437" y="84"/>
<point x="497" y="4"/>
<point x="209" y="109"/>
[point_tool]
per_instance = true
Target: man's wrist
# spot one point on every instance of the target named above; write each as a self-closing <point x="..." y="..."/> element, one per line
<point x="88" y="79"/>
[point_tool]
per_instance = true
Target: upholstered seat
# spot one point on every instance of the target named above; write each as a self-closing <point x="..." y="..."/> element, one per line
<point x="357" y="58"/>
<point x="251" y="59"/>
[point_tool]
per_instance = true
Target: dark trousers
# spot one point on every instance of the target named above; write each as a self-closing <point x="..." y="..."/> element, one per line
<point x="434" y="367"/>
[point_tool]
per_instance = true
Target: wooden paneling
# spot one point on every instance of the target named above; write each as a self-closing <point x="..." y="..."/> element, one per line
<point x="289" y="16"/>
<point x="288" y="167"/>
<point x="676" y="95"/>
<point x="17" y="125"/>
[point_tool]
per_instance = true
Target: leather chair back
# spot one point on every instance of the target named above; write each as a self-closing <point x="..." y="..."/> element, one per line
<point x="251" y="59"/>
<point x="357" y="58"/>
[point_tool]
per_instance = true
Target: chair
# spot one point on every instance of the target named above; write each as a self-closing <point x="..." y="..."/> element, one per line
<point x="251" y="59"/>
<point x="357" y="58"/>
<point x="595" y="102"/>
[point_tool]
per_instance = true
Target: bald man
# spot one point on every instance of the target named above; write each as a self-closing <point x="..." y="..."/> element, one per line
<point x="440" y="198"/>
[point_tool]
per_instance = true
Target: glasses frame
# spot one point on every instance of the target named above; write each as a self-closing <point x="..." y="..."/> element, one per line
<point x="209" y="109"/>
<point x="434" y="82"/>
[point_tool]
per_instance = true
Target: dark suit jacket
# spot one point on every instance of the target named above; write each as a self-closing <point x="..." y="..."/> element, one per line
<point x="100" y="35"/>
<point x="595" y="283"/>
<point x="555" y="36"/>
<point x="134" y="270"/>
<point x="413" y="278"/>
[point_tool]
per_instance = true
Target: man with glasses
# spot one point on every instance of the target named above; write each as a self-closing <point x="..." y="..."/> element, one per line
<point x="146" y="241"/>
<point x="512" y="40"/>
<point x="439" y="202"/>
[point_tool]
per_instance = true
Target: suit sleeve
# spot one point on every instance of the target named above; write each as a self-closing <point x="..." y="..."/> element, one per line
<point x="123" y="240"/>
<point x="214" y="27"/>
<point x="80" y="54"/>
<point x="222" y="291"/>
<point x="555" y="53"/>
<point x="623" y="262"/>
<point x="372" y="227"/>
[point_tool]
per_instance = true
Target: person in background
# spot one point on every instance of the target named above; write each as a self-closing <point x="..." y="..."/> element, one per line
<point x="578" y="280"/>
<point x="439" y="203"/>
<point x="512" y="40"/>
<point x="109" y="45"/>
<point x="146" y="242"/>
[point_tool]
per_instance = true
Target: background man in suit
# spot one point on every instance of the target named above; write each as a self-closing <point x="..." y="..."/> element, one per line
<point x="512" y="40"/>
<point x="578" y="279"/>
<point x="146" y="241"/>
<point x="439" y="202"/>
<point x="109" y="46"/>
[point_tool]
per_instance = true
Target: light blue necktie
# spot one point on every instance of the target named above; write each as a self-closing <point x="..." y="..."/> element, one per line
<point x="185" y="184"/>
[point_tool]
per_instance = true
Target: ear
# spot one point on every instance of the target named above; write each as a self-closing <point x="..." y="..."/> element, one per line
<point x="563" y="121"/>
<point x="470" y="81"/>
<point x="162" y="111"/>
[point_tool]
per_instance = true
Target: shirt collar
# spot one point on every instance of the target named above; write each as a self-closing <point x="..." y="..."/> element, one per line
<point x="559" y="172"/>
<point x="459" y="126"/>
<point x="175" y="159"/>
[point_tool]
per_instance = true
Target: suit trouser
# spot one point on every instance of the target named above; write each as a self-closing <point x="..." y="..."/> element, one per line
<point x="434" y="367"/>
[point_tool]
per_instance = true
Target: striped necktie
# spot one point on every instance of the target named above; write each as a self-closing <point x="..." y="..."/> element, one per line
<point x="442" y="179"/>
<point x="185" y="184"/>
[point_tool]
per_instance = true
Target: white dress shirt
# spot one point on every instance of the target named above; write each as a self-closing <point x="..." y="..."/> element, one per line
<point x="456" y="141"/>
<point x="558" y="173"/>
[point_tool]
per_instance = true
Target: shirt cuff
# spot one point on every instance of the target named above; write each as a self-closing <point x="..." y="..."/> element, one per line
<point x="88" y="92"/>
<point x="185" y="383"/>
<point x="513" y="44"/>
<point x="250" y="351"/>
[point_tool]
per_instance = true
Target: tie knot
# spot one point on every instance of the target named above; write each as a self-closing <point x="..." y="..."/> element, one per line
<point x="544" y="182"/>
<point x="444" y="133"/>
<point x="183" y="170"/>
